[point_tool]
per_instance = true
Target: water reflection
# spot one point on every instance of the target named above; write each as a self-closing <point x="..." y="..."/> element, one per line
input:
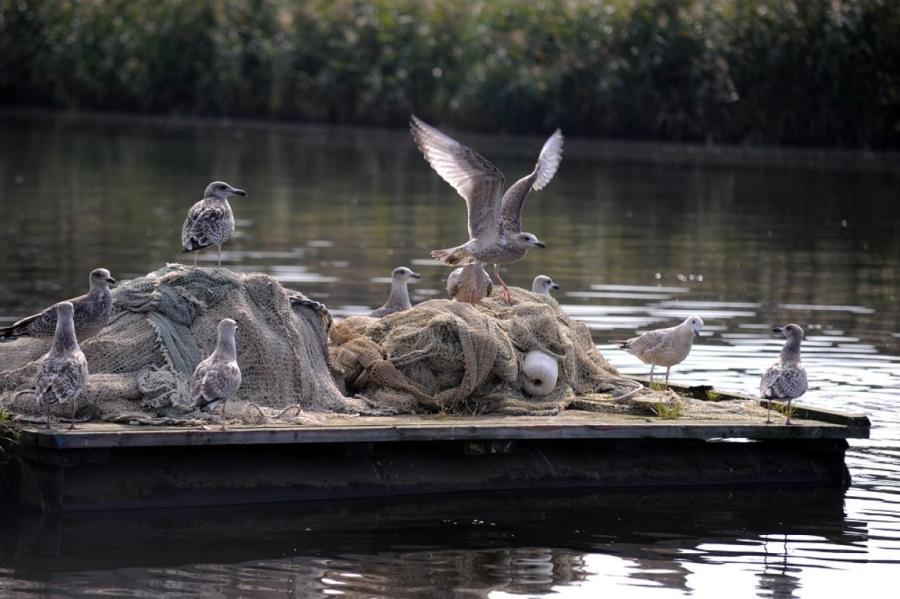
<point x="635" y="240"/>
<point x="470" y="545"/>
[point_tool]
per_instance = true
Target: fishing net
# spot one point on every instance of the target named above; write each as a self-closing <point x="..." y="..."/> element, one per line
<point x="164" y="323"/>
<point x="455" y="357"/>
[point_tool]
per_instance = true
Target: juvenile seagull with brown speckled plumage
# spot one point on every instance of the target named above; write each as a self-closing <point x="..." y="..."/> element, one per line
<point x="91" y="312"/>
<point x="786" y="378"/>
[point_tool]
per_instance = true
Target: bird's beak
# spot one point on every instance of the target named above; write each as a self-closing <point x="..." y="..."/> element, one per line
<point x="540" y="244"/>
<point x="238" y="192"/>
<point x="555" y="286"/>
<point x="110" y="280"/>
<point x="777" y="330"/>
<point x="696" y="333"/>
<point x="416" y="275"/>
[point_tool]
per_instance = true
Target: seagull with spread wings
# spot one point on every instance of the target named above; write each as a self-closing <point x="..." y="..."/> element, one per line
<point x="495" y="217"/>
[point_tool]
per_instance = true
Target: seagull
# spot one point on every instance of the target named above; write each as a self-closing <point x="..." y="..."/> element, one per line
<point x="210" y="221"/>
<point x="398" y="299"/>
<point x="63" y="372"/>
<point x="786" y="378"/>
<point x="470" y="283"/>
<point x="218" y="377"/>
<point x="543" y="284"/>
<point x="92" y="311"/>
<point x="495" y="218"/>
<point x="664" y="347"/>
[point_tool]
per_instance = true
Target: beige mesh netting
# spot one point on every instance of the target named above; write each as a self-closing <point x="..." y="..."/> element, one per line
<point x="456" y="357"/>
<point x="163" y="324"/>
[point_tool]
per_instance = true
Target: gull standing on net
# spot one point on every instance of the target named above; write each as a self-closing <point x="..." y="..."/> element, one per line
<point x="469" y="283"/>
<point x="91" y="312"/>
<point x="398" y="299"/>
<point x="63" y="372"/>
<point x="664" y="347"/>
<point x="218" y="377"/>
<point x="495" y="218"/>
<point x="210" y="221"/>
<point x="542" y="284"/>
<point x="786" y="378"/>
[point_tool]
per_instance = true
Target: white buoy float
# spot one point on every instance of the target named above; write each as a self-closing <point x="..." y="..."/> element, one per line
<point x="541" y="372"/>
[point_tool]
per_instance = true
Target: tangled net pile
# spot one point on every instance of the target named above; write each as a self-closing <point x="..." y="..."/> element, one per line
<point x="163" y="324"/>
<point x="454" y="357"/>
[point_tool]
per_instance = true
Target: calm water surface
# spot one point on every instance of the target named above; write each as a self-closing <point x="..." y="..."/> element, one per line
<point x="637" y="236"/>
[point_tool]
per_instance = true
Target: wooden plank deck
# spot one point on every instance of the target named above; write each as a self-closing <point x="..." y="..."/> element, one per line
<point x="571" y="424"/>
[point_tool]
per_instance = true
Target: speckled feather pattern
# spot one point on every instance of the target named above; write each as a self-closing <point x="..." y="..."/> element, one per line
<point x="218" y="376"/>
<point x="214" y="379"/>
<point x="61" y="378"/>
<point x="783" y="381"/>
<point x="209" y="222"/>
<point x="63" y="372"/>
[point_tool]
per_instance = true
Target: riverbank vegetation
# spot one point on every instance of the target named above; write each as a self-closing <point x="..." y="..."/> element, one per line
<point x="821" y="73"/>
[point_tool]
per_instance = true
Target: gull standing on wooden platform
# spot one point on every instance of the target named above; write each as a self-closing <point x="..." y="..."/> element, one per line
<point x="495" y="218"/>
<point x="786" y="378"/>
<point x="63" y="372"/>
<point x="91" y="312"/>
<point x="398" y="298"/>
<point x="664" y="347"/>
<point x="218" y="377"/>
<point x="542" y="284"/>
<point x="210" y="221"/>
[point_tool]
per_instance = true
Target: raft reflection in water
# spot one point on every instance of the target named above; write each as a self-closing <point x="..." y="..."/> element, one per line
<point x="417" y="546"/>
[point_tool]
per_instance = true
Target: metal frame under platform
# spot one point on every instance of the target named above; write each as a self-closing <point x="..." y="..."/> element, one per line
<point x="110" y="466"/>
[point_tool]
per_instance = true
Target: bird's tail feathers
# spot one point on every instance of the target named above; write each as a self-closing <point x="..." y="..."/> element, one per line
<point x="9" y="333"/>
<point x="203" y="403"/>
<point x="192" y="246"/>
<point x="450" y="256"/>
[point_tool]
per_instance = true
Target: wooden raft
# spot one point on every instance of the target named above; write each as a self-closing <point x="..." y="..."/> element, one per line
<point x="114" y="466"/>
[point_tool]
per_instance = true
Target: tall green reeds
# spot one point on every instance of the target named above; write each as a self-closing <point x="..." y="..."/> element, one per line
<point x="815" y="72"/>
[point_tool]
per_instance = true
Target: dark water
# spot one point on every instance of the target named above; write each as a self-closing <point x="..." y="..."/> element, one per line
<point x="638" y="236"/>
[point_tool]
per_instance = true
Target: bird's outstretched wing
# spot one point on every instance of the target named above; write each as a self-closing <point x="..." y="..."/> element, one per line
<point x="474" y="178"/>
<point x="513" y="202"/>
<point x="203" y="225"/>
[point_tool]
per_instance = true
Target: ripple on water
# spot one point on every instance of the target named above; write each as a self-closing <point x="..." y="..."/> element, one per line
<point x="621" y="275"/>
